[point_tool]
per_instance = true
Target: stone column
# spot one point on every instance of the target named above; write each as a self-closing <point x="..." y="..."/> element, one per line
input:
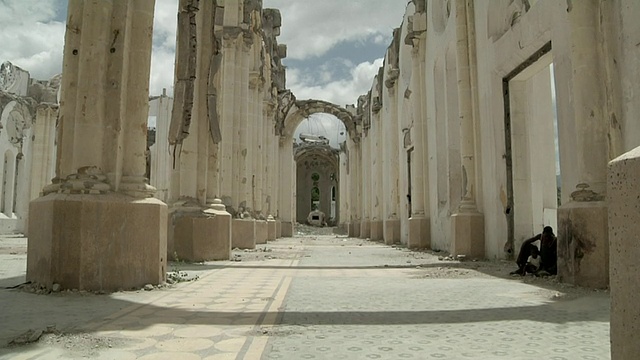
<point x="623" y="230"/>
<point x="377" y="223"/>
<point x="467" y="223"/>
<point x="287" y="186"/>
<point x="365" y="223"/>
<point x="391" y="172"/>
<point x="198" y="225"/>
<point x="419" y="223"/>
<point x="354" y="186"/>
<point x="227" y="105"/>
<point x="98" y="227"/>
<point x="583" y="247"/>
<point x="341" y="184"/>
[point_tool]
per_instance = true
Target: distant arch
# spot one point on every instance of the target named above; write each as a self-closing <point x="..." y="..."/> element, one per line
<point x="304" y="108"/>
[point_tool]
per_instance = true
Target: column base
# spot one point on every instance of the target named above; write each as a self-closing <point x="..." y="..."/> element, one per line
<point x="262" y="231"/>
<point x="354" y="229"/>
<point x="467" y="234"/>
<point x="201" y="236"/>
<point x="583" y="244"/>
<point x="278" y="229"/>
<point x="419" y="233"/>
<point x="97" y="242"/>
<point x="391" y="231"/>
<point x="377" y="230"/>
<point x="243" y="234"/>
<point x="287" y="229"/>
<point x="365" y="229"/>
<point x="624" y="226"/>
<point x="271" y="230"/>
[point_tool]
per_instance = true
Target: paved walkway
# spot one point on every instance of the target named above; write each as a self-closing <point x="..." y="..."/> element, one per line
<point x="317" y="297"/>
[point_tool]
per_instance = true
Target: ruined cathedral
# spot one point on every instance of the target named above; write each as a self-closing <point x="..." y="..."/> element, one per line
<point x="488" y="121"/>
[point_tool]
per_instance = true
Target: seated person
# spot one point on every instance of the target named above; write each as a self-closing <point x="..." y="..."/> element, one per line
<point x="533" y="262"/>
<point x="548" y="253"/>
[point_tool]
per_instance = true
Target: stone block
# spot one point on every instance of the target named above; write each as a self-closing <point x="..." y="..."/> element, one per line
<point x="583" y="246"/>
<point x="271" y="230"/>
<point x="391" y="231"/>
<point x="287" y="229"/>
<point x="419" y="233"/>
<point x="278" y="229"/>
<point x="623" y="192"/>
<point x="243" y="234"/>
<point x="467" y="229"/>
<point x="262" y="231"/>
<point x="354" y="229"/>
<point x="365" y="229"/>
<point x="97" y="242"/>
<point x="377" y="230"/>
<point x="202" y="236"/>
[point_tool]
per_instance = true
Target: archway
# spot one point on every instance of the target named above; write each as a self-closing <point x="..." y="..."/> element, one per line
<point x="286" y="127"/>
<point x="317" y="173"/>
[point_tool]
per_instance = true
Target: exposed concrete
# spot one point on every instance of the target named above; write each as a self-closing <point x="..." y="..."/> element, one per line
<point x="354" y="229"/>
<point x="243" y="234"/>
<point x="583" y="247"/>
<point x="377" y="230"/>
<point x="286" y="229"/>
<point x="97" y="242"/>
<point x="278" y="229"/>
<point x="391" y="231"/>
<point x="468" y="234"/>
<point x="262" y="232"/>
<point x="203" y="235"/>
<point x="365" y="229"/>
<point x="623" y="193"/>
<point x="419" y="233"/>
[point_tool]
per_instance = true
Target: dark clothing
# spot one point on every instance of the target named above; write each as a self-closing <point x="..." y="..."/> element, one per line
<point x="548" y="253"/>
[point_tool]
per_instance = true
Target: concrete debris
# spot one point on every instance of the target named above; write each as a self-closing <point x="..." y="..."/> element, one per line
<point x="31" y="335"/>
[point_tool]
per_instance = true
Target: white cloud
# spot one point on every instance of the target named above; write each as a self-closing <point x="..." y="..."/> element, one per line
<point x="310" y="27"/>
<point x="164" y="47"/>
<point x="30" y="38"/>
<point x="340" y="92"/>
<point x="325" y="125"/>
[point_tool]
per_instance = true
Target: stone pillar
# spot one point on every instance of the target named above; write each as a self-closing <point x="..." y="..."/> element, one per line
<point x="271" y="228"/>
<point x="256" y="143"/>
<point x="208" y="232"/>
<point x="391" y="172"/>
<point x="583" y="245"/>
<point x="242" y="143"/>
<point x="287" y="186"/>
<point x="227" y="112"/>
<point x="354" y="185"/>
<point x="624" y="229"/>
<point x="365" y="223"/>
<point x="98" y="227"/>
<point x="343" y="204"/>
<point x="419" y="222"/>
<point x="467" y="223"/>
<point x="262" y="231"/>
<point x="197" y="231"/>
<point x="377" y="223"/>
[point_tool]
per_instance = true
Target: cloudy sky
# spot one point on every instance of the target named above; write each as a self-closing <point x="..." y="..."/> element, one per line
<point x="335" y="47"/>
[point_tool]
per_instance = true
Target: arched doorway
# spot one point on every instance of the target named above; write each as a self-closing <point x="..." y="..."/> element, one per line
<point x="286" y="126"/>
<point x="317" y="172"/>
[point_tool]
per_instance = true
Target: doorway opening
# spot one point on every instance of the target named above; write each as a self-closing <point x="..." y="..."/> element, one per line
<point x="532" y="151"/>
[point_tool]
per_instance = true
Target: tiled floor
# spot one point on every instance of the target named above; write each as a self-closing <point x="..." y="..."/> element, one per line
<point x="329" y="298"/>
